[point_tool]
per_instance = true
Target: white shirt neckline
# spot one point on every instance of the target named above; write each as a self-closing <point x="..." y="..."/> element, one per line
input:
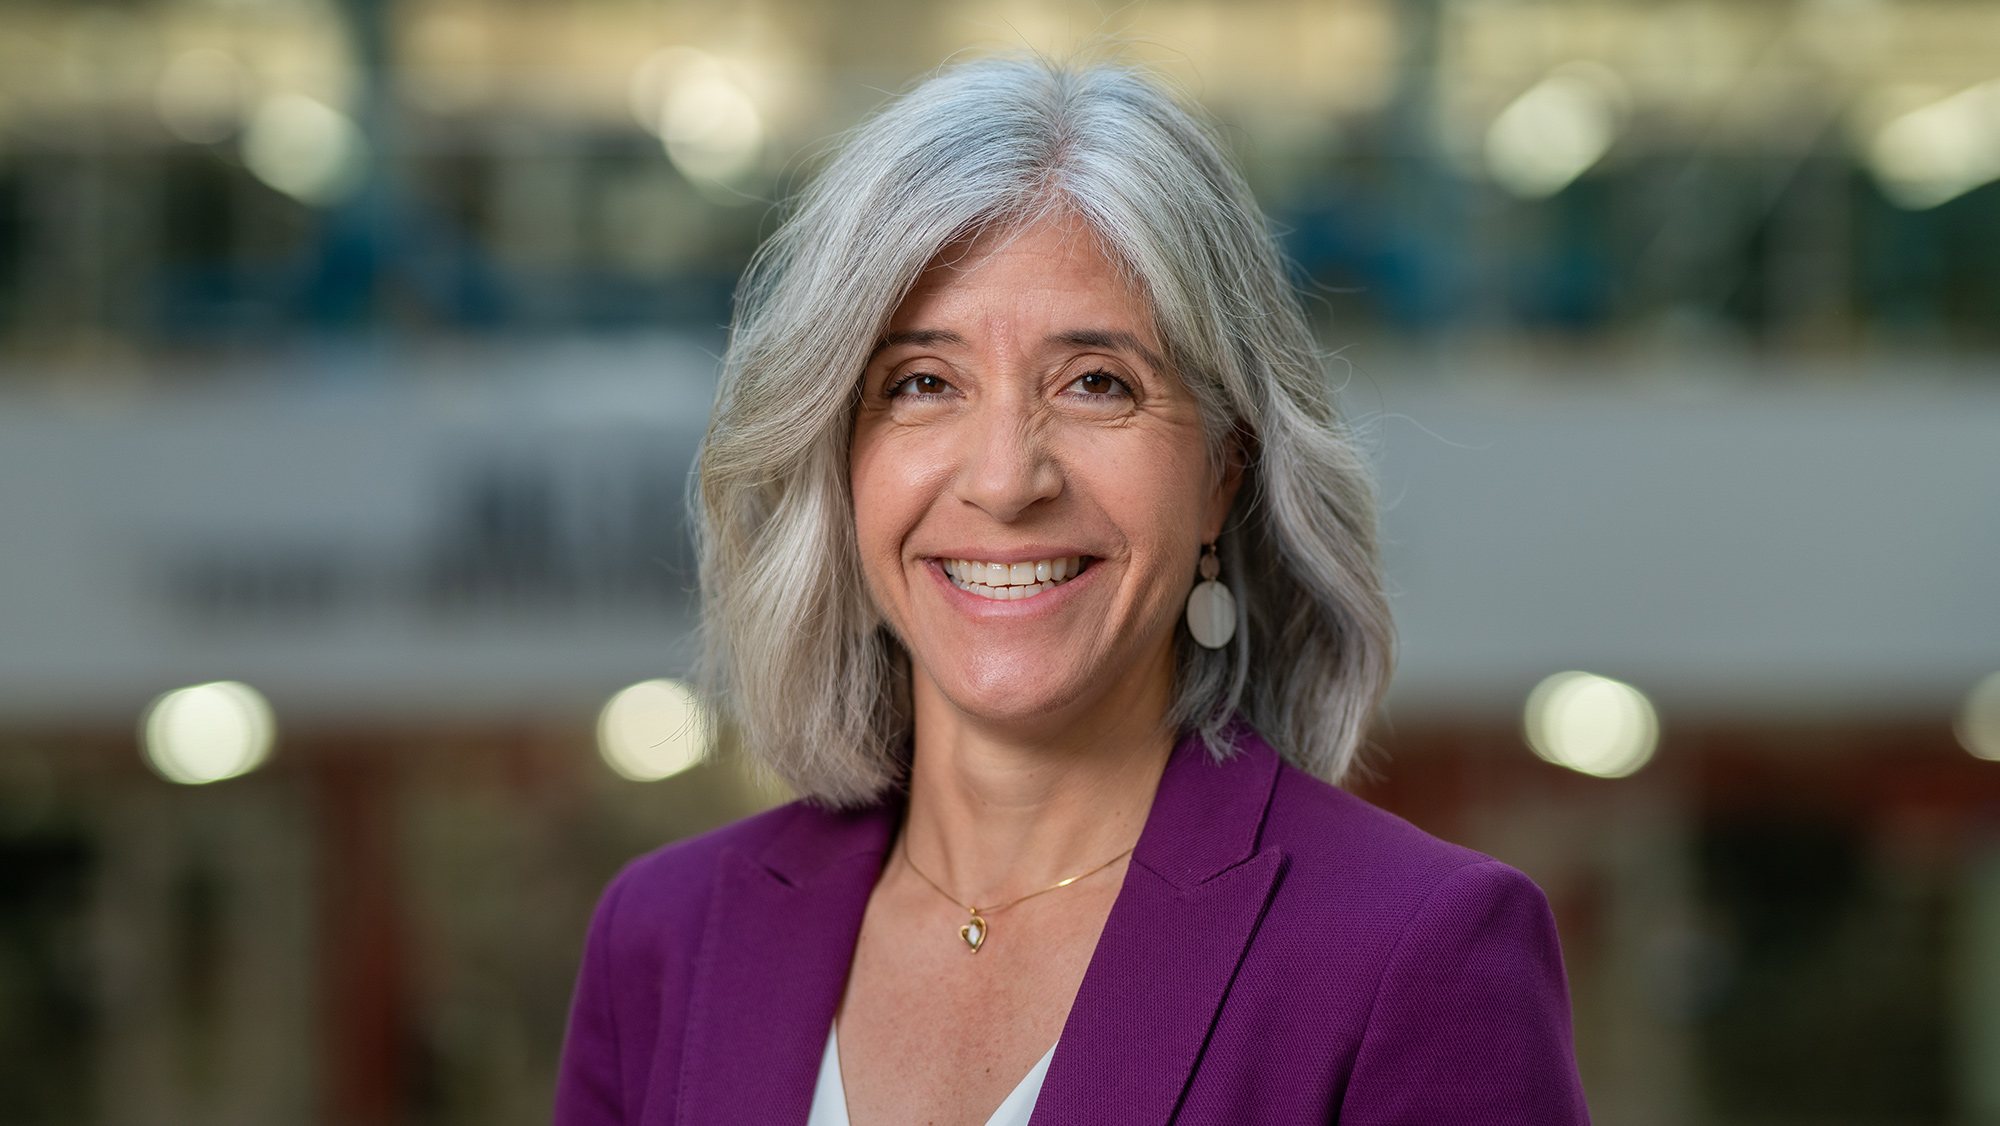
<point x="829" y="1105"/>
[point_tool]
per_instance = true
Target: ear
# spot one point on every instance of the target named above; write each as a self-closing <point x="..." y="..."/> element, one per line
<point x="1222" y="495"/>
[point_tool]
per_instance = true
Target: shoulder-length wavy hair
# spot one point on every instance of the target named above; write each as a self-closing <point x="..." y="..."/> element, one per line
<point x="794" y="650"/>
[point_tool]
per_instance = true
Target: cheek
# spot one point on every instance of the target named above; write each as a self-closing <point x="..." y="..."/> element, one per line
<point x="871" y="480"/>
<point x="893" y="480"/>
<point x="1157" y="497"/>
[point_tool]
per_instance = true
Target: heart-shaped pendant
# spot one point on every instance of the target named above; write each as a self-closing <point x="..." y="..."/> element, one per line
<point x="974" y="933"/>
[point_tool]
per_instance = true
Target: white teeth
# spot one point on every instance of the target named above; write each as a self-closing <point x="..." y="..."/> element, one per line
<point x="1006" y="582"/>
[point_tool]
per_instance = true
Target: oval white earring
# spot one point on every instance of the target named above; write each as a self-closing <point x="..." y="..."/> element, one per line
<point x="1211" y="609"/>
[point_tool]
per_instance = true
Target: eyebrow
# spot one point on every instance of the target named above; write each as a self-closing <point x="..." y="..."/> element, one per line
<point x="920" y="338"/>
<point x="1113" y="341"/>
<point x="1109" y="339"/>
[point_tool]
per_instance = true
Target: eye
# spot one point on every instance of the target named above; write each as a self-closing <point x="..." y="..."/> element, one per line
<point x="919" y="384"/>
<point x="1099" y="384"/>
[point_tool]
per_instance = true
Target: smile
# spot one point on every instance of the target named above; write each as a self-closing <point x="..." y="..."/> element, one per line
<point x="1005" y="582"/>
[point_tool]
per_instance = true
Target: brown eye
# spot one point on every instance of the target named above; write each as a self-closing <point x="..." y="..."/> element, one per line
<point x="1099" y="383"/>
<point x="921" y="385"/>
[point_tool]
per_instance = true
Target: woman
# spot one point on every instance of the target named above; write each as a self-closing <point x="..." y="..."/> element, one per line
<point x="1016" y="384"/>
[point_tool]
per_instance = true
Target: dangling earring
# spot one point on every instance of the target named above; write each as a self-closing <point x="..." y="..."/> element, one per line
<point x="1211" y="609"/>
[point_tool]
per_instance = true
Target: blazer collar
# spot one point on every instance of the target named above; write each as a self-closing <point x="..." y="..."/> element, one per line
<point x="781" y="930"/>
<point x="817" y="841"/>
<point x="1208" y="816"/>
<point x="1194" y="896"/>
<point x="783" y="923"/>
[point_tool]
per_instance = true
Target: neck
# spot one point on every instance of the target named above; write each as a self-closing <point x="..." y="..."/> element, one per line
<point x="998" y="811"/>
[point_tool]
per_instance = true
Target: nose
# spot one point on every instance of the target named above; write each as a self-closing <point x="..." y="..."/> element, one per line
<point x="1007" y="468"/>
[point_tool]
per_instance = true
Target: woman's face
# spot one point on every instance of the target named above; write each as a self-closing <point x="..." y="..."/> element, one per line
<point x="1031" y="485"/>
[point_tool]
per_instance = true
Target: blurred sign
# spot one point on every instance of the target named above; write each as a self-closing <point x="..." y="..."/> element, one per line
<point x="501" y="536"/>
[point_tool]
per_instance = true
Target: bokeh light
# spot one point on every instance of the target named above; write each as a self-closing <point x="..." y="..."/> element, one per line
<point x="207" y="732"/>
<point x="1941" y="151"/>
<point x="653" y="730"/>
<point x="305" y="149"/>
<point x="1591" y="724"/>
<point x="1556" y="131"/>
<point x="702" y="112"/>
<point x="1978" y="724"/>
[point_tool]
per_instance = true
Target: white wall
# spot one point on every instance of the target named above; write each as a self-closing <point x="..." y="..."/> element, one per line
<point x="1764" y="552"/>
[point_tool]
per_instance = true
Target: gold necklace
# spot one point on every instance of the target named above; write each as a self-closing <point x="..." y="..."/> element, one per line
<point x="975" y="931"/>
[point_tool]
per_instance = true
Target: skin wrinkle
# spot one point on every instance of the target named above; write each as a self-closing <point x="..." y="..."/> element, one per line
<point x="921" y="339"/>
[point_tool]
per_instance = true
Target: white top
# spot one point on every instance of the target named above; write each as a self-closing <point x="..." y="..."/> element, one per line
<point x="829" y="1106"/>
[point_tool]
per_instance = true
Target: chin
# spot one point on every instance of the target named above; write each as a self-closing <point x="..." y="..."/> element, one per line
<point x="1027" y="699"/>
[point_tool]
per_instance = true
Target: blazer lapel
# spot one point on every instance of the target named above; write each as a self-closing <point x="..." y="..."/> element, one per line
<point x="1193" y="897"/>
<point x="774" y="959"/>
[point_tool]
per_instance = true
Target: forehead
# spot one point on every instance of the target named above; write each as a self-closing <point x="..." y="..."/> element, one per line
<point x="1054" y="268"/>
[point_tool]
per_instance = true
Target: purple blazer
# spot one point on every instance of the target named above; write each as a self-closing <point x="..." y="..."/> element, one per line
<point x="1281" y="952"/>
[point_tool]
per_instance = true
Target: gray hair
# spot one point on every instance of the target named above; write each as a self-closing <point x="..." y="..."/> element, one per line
<point x="794" y="650"/>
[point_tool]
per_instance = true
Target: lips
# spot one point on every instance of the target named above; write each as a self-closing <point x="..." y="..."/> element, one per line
<point x="1010" y="582"/>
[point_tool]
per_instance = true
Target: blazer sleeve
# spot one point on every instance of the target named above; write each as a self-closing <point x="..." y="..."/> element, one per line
<point x="589" y="1086"/>
<point x="1471" y="1020"/>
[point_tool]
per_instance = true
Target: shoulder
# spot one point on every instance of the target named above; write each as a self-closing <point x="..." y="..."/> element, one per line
<point x="637" y="967"/>
<point x="665" y="892"/>
<point x="660" y="902"/>
<point x="1434" y="960"/>
<point x="693" y="860"/>
<point x="1408" y="958"/>
<point x="1396" y="895"/>
<point x="1330" y="834"/>
<point x="639" y="959"/>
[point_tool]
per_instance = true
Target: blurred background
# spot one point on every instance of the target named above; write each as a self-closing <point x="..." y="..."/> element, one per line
<point x="353" y="353"/>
